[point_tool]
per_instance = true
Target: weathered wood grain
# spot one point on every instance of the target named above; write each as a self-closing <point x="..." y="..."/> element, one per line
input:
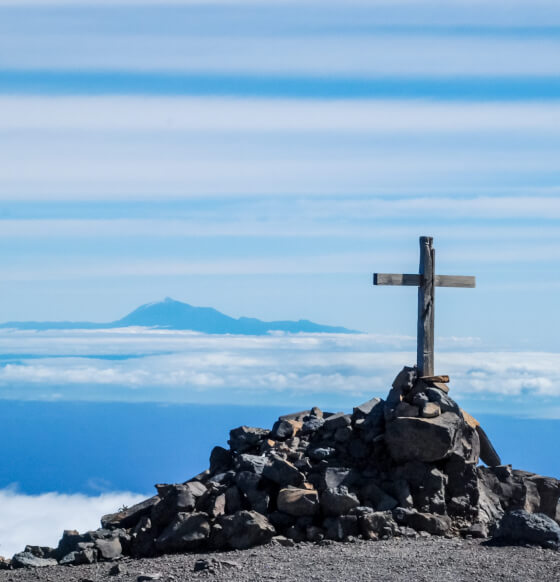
<point x="425" y="345"/>
<point x="395" y="279"/>
<point x="426" y="281"/>
<point x="455" y="281"/>
<point x="414" y="280"/>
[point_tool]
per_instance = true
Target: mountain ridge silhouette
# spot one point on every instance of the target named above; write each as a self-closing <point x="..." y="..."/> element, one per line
<point x="177" y="315"/>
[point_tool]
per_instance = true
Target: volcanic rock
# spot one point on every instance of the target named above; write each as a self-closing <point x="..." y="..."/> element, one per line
<point x="245" y="438"/>
<point x="312" y="425"/>
<point x="282" y="429"/>
<point x="28" y="560"/>
<point x="378" y="524"/>
<point x="338" y="501"/>
<point x="433" y="524"/>
<point x="404" y="409"/>
<point x="298" y="501"/>
<point x="377" y="498"/>
<point x="129" y="516"/>
<point x="487" y="452"/>
<point x="282" y="472"/>
<point x="84" y="556"/>
<point x="533" y="528"/>
<point x="336" y="421"/>
<point x="245" y="529"/>
<point x="220" y="460"/>
<point x="186" y="532"/>
<point x="445" y="403"/>
<point x="424" y="439"/>
<point x="174" y="499"/>
<point x="341" y="528"/>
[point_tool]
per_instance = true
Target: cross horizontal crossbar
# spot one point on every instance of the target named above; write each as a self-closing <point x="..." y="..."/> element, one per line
<point x="414" y="280"/>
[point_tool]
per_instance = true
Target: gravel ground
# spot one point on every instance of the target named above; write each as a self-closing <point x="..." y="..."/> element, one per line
<point x="432" y="560"/>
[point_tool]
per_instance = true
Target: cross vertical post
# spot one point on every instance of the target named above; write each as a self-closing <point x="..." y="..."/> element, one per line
<point x="425" y="335"/>
<point x="426" y="280"/>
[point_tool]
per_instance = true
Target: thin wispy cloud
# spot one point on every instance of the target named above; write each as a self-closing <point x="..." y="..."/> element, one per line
<point x="182" y="114"/>
<point x="191" y="367"/>
<point x="533" y="252"/>
<point x="128" y="169"/>
<point x="307" y="226"/>
<point x="363" y="57"/>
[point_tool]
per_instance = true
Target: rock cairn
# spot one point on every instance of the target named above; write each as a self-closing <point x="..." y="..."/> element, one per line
<point x="404" y="466"/>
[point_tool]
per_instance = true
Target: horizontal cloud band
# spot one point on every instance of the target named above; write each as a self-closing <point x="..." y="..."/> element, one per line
<point x="447" y="87"/>
<point x="41" y="519"/>
<point x="164" y="365"/>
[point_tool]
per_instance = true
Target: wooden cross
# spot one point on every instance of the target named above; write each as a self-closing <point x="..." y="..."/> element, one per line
<point x="426" y="281"/>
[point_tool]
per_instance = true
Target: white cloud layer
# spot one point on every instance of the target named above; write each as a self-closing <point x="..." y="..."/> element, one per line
<point x="191" y="367"/>
<point x="41" y="519"/>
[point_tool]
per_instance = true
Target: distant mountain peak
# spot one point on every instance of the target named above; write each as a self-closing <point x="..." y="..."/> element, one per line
<point x="172" y="314"/>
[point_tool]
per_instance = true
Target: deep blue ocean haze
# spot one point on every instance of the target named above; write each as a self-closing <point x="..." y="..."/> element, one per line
<point x="94" y="447"/>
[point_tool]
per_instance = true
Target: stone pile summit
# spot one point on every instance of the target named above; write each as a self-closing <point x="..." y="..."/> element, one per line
<point x="404" y="466"/>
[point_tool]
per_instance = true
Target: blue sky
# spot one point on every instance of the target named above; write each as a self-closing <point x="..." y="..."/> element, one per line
<point x="282" y="151"/>
<point x="265" y="158"/>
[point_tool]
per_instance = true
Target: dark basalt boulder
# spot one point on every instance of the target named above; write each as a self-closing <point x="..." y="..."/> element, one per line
<point x="175" y="499"/>
<point x="375" y="497"/>
<point x="336" y="421"/>
<point x="282" y="472"/>
<point x="131" y="515"/>
<point x="519" y="526"/>
<point x="85" y="556"/>
<point x="433" y="524"/>
<point x="28" y="560"/>
<point x="246" y="438"/>
<point x="221" y="460"/>
<point x="245" y="529"/>
<point x="341" y="528"/>
<point x="298" y="502"/>
<point x="188" y="531"/>
<point x="426" y="439"/>
<point x="338" y="501"/>
<point x="488" y="453"/>
<point x="282" y="429"/>
<point x="377" y="524"/>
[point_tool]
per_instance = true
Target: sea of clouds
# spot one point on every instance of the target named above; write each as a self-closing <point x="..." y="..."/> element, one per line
<point x="41" y="519"/>
<point x="138" y="364"/>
